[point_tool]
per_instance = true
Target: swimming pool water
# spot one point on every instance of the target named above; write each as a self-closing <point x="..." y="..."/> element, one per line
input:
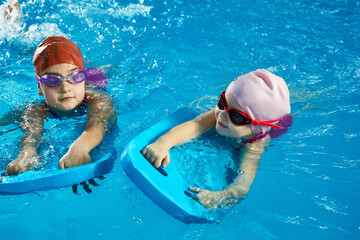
<point x="163" y="55"/>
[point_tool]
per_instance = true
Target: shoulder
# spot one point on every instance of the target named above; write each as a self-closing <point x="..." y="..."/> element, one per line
<point x="38" y="107"/>
<point x="206" y="117"/>
<point x="92" y="95"/>
<point x="99" y="101"/>
<point x="35" y="112"/>
<point x="258" y="145"/>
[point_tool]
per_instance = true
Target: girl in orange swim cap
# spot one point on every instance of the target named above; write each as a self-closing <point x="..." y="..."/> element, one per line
<point x="60" y="75"/>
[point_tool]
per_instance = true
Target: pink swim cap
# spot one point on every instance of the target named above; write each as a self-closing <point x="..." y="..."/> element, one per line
<point x="262" y="95"/>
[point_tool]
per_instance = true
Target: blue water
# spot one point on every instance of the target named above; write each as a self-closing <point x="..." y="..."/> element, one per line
<point x="163" y="55"/>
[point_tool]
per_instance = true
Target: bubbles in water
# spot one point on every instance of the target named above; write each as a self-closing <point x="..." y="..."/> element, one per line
<point x="137" y="220"/>
<point x="130" y="11"/>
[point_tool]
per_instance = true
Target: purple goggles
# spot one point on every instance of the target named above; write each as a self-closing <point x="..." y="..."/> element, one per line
<point x="54" y="80"/>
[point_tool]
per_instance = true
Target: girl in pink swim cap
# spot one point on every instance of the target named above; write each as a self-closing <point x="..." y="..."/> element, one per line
<point x="251" y="105"/>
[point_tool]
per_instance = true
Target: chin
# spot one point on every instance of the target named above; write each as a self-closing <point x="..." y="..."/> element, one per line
<point x="226" y="132"/>
<point x="222" y="131"/>
<point x="65" y="109"/>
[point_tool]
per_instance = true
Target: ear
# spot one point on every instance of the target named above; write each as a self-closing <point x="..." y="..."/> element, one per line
<point x="40" y="91"/>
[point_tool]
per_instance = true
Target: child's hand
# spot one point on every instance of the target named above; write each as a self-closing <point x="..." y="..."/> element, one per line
<point x="9" y="10"/>
<point x="74" y="157"/>
<point x="217" y="199"/>
<point x="157" y="154"/>
<point x="86" y="185"/>
<point x="25" y="161"/>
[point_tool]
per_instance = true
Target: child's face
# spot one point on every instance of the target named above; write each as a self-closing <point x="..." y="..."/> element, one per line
<point x="66" y="96"/>
<point x="225" y="127"/>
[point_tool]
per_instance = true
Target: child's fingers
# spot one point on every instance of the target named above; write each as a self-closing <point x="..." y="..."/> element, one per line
<point x="86" y="187"/>
<point x="157" y="163"/>
<point x="101" y="177"/>
<point x="155" y="158"/>
<point x="12" y="169"/>
<point x="150" y="157"/>
<point x="166" y="161"/>
<point x="74" y="188"/>
<point x="194" y="193"/>
<point x="147" y="154"/>
<point x="144" y="151"/>
<point x="195" y="189"/>
<point x="61" y="164"/>
<point x="92" y="182"/>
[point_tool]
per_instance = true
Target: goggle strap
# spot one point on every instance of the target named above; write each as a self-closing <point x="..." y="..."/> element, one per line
<point x="267" y="123"/>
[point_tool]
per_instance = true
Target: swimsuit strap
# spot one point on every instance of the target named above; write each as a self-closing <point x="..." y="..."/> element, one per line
<point x="285" y="122"/>
<point x="81" y="109"/>
<point x="254" y="139"/>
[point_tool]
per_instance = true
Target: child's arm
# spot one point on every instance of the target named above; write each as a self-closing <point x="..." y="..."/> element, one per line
<point x="237" y="191"/>
<point x="157" y="153"/>
<point x="32" y="125"/>
<point x="101" y="114"/>
<point x="78" y="153"/>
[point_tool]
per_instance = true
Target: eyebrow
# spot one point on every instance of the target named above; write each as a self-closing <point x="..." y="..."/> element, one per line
<point x="75" y="68"/>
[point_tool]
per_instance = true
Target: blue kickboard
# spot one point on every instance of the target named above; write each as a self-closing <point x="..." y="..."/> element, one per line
<point x="164" y="186"/>
<point x="45" y="179"/>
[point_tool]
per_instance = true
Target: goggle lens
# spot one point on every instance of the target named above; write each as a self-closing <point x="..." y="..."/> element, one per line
<point x="238" y="118"/>
<point x="78" y="76"/>
<point x="53" y="80"/>
<point x="222" y="104"/>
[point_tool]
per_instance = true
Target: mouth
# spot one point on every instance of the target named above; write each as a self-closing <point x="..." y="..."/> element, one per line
<point x="221" y="125"/>
<point x="65" y="99"/>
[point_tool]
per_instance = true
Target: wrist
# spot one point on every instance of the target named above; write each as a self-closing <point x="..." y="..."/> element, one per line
<point x="30" y="149"/>
<point x="78" y="146"/>
<point x="162" y="141"/>
<point x="238" y="191"/>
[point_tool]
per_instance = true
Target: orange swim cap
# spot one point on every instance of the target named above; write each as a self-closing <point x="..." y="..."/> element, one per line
<point x="55" y="50"/>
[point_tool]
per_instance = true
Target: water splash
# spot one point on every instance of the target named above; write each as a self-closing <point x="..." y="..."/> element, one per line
<point x="130" y="11"/>
<point x="18" y="35"/>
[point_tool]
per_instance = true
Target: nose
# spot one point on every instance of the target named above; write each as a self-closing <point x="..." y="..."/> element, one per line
<point x="223" y="115"/>
<point x="65" y="86"/>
